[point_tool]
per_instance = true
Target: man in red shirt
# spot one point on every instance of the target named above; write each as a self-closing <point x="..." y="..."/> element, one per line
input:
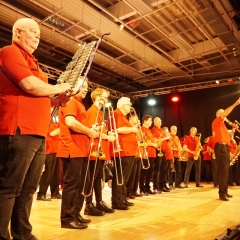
<point x="176" y="145"/>
<point x="189" y="145"/>
<point x="158" y="135"/>
<point x="127" y="141"/>
<point x="25" y="115"/>
<point x="222" y="141"/>
<point x="146" y="174"/>
<point x="95" y="117"/>
<point x="207" y="160"/>
<point x="73" y="149"/>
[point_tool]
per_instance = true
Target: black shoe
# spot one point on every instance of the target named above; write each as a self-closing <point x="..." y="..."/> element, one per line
<point x="199" y="185"/>
<point x="43" y="198"/>
<point x="185" y="185"/>
<point x="90" y="209"/>
<point x="127" y="203"/>
<point x="224" y="198"/>
<point x="74" y="225"/>
<point x="229" y="196"/>
<point x="143" y="193"/>
<point x="80" y="219"/>
<point x="168" y="188"/>
<point x="179" y="186"/>
<point x="231" y="184"/>
<point x="130" y="196"/>
<point x="151" y="192"/>
<point x="33" y="238"/>
<point x="215" y="185"/>
<point x="119" y="206"/>
<point x="165" y="190"/>
<point x="56" y="196"/>
<point x="101" y="206"/>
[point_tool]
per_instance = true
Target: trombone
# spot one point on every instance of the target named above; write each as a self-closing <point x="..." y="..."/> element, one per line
<point x="112" y="125"/>
<point x="97" y="153"/>
<point x="143" y="142"/>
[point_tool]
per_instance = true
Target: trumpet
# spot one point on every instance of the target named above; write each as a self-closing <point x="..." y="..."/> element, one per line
<point x="159" y="142"/>
<point x="96" y="153"/>
<point x="143" y="143"/>
<point x="112" y="125"/>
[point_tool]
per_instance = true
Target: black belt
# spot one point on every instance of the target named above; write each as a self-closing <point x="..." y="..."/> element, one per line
<point x="221" y="143"/>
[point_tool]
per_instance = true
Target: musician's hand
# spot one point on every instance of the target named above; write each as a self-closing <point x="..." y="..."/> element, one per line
<point x="92" y="134"/>
<point x="154" y="144"/>
<point x="168" y="137"/>
<point x="111" y="138"/>
<point x="134" y="129"/>
<point x="110" y="133"/>
<point x="64" y="87"/>
<point x="63" y="99"/>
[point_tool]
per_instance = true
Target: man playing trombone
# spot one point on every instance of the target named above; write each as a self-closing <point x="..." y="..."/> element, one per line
<point x="123" y="152"/>
<point x="99" y="151"/>
<point x="73" y="149"/>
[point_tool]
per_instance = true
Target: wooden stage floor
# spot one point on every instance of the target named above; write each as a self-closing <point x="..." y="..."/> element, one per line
<point x="185" y="214"/>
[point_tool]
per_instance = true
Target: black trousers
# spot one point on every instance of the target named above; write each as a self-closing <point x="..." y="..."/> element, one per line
<point x="133" y="181"/>
<point x="177" y="174"/>
<point x="50" y="176"/>
<point x="96" y="182"/>
<point x="214" y="171"/>
<point x="74" y="170"/>
<point x="156" y="171"/>
<point x="146" y="175"/>
<point x="208" y="170"/>
<point x="197" y="164"/>
<point x="119" y="192"/>
<point x="223" y="163"/>
<point x="234" y="173"/>
<point x="165" y="166"/>
<point x="21" y="162"/>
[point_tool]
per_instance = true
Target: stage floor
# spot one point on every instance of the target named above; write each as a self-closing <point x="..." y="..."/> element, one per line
<point x="185" y="214"/>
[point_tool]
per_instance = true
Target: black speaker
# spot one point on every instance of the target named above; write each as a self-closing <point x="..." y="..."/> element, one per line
<point x="231" y="234"/>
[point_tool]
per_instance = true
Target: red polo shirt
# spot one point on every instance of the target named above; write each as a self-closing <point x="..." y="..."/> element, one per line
<point x="52" y="141"/>
<point x="128" y="142"/>
<point x="18" y="108"/>
<point x="206" y="156"/>
<point x="175" y="144"/>
<point x="92" y="112"/>
<point x="220" y="131"/>
<point x="149" y="138"/>
<point x="72" y="144"/>
<point x="191" y="143"/>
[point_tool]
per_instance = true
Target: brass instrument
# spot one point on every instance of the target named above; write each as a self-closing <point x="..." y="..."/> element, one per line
<point x="235" y="155"/>
<point x="234" y="125"/>
<point x="143" y="143"/>
<point x="96" y="153"/>
<point x="159" y="142"/>
<point x="117" y="150"/>
<point x="77" y="70"/>
<point x="198" y="148"/>
<point x="183" y="155"/>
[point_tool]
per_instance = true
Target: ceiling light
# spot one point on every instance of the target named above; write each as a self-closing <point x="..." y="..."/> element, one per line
<point x="217" y="82"/>
<point x="151" y="102"/>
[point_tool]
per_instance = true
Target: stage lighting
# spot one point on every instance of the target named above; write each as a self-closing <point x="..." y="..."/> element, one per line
<point x="175" y="98"/>
<point x="151" y="102"/>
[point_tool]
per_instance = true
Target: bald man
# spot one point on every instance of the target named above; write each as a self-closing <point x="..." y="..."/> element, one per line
<point x="221" y="140"/>
<point x="25" y="115"/>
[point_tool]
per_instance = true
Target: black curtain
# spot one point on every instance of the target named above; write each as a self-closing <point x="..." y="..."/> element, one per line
<point x="195" y="108"/>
